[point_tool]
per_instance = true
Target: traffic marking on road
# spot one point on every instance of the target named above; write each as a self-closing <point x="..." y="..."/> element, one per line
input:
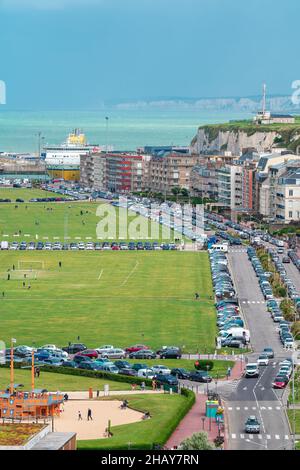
<point x="229" y="408"/>
<point x="242" y="436"/>
<point x="286" y="437"/>
<point x="277" y="436"/>
<point x="251" y="436"/>
<point x="268" y="436"/>
<point x="253" y="407"/>
<point x="233" y="436"/>
<point x="245" y="407"/>
<point x="263" y="408"/>
<point x="259" y="436"/>
<point x="262" y="388"/>
<point x="238" y="408"/>
<point x="270" y="408"/>
<point x="245" y="388"/>
<point x="278" y="408"/>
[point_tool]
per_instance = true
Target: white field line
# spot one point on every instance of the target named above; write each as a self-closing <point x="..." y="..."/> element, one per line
<point x="99" y="277"/>
<point x="130" y="274"/>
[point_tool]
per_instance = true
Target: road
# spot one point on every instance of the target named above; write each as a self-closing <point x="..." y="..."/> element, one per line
<point x="255" y="396"/>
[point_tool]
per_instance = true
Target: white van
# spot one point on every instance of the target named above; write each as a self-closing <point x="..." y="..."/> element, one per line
<point x="219" y="247"/>
<point x="236" y="332"/>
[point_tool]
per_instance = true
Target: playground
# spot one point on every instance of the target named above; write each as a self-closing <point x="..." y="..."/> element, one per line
<point x="102" y="412"/>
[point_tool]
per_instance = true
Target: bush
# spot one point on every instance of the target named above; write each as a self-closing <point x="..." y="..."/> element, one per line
<point x="296" y="330"/>
<point x="204" y="364"/>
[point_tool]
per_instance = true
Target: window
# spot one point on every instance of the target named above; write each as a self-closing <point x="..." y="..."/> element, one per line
<point x="291" y="192"/>
<point x="290" y="214"/>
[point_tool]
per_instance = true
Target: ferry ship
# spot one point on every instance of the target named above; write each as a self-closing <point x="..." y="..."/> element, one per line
<point x="63" y="161"/>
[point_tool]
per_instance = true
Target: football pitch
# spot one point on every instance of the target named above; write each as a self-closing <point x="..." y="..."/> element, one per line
<point x="117" y="298"/>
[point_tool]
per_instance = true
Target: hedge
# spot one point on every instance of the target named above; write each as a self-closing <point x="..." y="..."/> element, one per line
<point x="95" y="374"/>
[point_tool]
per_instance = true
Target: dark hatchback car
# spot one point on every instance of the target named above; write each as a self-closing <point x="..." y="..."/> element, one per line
<point x="122" y="364"/>
<point x="180" y="373"/>
<point x="74" y="348"/>
<point x="162" y="379"/>
<point x="172" y="353"/>
<point x="143" y="354"/>
<point x="199" y="376"/>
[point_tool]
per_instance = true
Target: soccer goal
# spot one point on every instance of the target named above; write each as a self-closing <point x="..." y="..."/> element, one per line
<point x="30" y="266"/>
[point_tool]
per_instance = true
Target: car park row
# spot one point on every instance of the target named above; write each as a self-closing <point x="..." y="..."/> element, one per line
<point x="273" y="307"/>
<point x="78" y="356"/>
<point x="114" y="246"/>
<point x="229" y="321"/>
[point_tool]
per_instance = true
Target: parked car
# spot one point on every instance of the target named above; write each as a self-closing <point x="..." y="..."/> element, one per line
<point x="72" y="364"/>
<point x="122" y="364"/>
<point x="91" y="353"/>
<point x="139" y="366"/>
<point x="181" y="373"/>
<point x="135" y="348"/>
<point x="160" y="369"/>
<point x="143" y="354"/>
<point x="74" y="348"/>
<point x="280" y="382"/>
<point x="171" y="353"/>
<point x="147" y="373"/>
<point x="162" y="379"/>
<point x="105" y="348"/>
<point x="114" y="354"/>
<point x="200" y="376"/>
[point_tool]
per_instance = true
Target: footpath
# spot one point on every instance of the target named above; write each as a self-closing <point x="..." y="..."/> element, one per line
<point x="196" y="421"/>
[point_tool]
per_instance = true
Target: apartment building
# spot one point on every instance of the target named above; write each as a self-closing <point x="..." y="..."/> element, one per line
<point x="204" y="182"/>
<point x="169" y="170"/>
<point x="93" y="171"/>
<point x="229" y="180"/>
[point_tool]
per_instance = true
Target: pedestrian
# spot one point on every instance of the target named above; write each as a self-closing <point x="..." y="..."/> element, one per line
<point x="133" y="387"/>
<point x="3" y="294"/>
<point x="38" y="371"/>
<point x="143" y="386"/>
<point x="8" y="277"/>
<point x="228" y="372"/>
<point x="79" y="416"/>
<point x="154" y="384"/>
<point x="196" y="296"/>
<point x="29" y="286"/>
<point x="98" y="393"/>
<point x="59" y="264"/>
<point x="14" y="267"/>
<point x="89" y="414"/>
<point x="66" y="397"/>
<point x="24" y="284"/>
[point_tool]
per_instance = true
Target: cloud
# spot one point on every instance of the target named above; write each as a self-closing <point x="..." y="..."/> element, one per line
<point x="47" y="4"/>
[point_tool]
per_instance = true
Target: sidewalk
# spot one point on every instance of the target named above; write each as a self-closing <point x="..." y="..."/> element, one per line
<point x="192" y="423"/>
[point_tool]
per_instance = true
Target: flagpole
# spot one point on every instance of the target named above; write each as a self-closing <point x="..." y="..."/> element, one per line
<point x="12" y="366"/>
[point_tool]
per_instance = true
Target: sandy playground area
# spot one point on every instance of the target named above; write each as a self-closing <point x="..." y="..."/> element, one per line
<point x="102" y="411"/>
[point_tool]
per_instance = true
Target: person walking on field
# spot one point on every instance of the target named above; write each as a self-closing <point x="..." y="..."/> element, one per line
<point x="154" y="384"/>
<point x="89" y="414"/>
<point x="59" y="264"/>
<point x="79" y="416"/>
<point x="197" y="296"/>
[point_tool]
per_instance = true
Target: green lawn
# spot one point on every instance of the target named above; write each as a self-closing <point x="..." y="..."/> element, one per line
<point x="24" y="193"/>
<point x="164" y="409"/>
<point x="297" y="419"/>
<point x="74" y="221"/>
<point x="118" y="298"/>
<point x="58" y="382"/>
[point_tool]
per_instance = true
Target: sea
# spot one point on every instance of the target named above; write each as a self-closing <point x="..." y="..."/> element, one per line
<point x="125" y="129"/>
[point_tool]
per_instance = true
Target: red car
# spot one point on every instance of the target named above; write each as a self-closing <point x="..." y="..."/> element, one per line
<point x="115" y="248"/>
<point x="280" y="382"/>
<point x="91" y="353"/>
<point x="135" y="348"/>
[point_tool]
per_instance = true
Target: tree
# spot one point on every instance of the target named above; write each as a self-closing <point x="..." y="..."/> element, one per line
<point x="198" y="441"/>
<point x="184" y="192"/>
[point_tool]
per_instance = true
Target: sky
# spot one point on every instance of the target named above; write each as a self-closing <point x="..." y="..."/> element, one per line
<point x="83" y="53"/>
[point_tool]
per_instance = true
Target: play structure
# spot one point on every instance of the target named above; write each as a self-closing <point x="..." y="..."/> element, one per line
<point x="23" y="405"/>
